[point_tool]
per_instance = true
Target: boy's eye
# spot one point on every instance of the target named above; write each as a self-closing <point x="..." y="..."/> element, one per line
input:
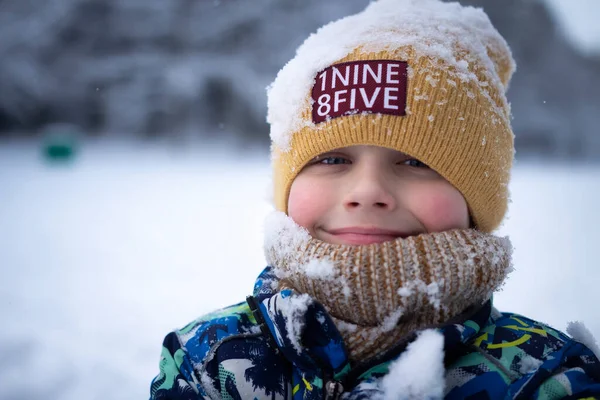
<point x="333" y="160"/>
<point x="413" y="162"/>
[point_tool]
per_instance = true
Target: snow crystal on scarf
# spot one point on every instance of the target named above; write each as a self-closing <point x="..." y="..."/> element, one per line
<point x="581" y="333"/>
<point x="432" y="290"/>
<point x="430" y="27"/>
<point x="283" y="235"/>
<point x="320" y="269"/>
<point x="391" y="321"/>
<point x="419" y="372"/>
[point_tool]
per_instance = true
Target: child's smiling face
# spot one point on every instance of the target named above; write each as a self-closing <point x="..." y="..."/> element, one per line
<point x="369" y="194"/>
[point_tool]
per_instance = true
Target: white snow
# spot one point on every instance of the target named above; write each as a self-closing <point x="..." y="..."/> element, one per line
<point x="101" y="259"/>
<point x="430" y="27"/>
<point x="419" y="372"/>
<point x="346" y="327"/>
<point x="529" y="364"/>
<point x="581" y="333"/>
<point x="320" y="269"/>
<point x="432" y="81"/>
<point x="321" y="318"/>
<point x="283" y="235"/>
<point x="293" y="308"/>
<point x="433" y="294"/>
<point x="207" y="385"/>
<point x="432" y="290"/>
<point x="391" y="321"/>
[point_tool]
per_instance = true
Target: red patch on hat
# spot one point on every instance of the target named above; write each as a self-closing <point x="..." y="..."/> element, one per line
<point x="356" y="87"/>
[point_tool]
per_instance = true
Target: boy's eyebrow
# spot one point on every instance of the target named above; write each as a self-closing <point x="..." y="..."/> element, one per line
<point x="343" y="151"/>
<point x="329" y="152"/>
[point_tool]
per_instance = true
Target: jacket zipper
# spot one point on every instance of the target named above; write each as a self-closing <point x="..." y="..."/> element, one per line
<point x="333" y="390"/>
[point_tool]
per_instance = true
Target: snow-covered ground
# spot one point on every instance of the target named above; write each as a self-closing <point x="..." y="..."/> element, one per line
<point x="102" y="257"/>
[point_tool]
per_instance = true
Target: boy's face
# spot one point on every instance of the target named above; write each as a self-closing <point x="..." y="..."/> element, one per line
<point x="368" y="194"/>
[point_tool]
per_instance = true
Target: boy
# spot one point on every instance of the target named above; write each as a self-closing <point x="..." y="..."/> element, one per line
<point x="392" y="150"/>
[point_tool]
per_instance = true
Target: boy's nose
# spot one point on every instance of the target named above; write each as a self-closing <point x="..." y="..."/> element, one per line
<point x="369" y="192"/>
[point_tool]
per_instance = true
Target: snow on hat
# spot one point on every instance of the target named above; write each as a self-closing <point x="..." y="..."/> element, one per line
<point x="423" y="77"/>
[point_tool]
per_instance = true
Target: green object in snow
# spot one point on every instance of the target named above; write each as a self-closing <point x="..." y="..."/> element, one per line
<point x="60" y="143"/>
<point x="59" y="151"/>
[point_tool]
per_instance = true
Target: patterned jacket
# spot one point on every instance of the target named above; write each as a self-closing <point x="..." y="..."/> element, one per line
<point x="247" y="351"/>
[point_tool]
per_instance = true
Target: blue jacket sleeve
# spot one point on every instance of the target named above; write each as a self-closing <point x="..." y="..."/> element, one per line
<point x="573" y="372"/>
<point x="176" y="379"/>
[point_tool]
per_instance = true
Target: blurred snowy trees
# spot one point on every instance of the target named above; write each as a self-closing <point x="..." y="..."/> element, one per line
<point x="555" y="93"/>
<point x="200" y="67"/>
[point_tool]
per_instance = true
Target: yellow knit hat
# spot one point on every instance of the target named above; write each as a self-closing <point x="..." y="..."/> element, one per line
<point x="423" y="77"/>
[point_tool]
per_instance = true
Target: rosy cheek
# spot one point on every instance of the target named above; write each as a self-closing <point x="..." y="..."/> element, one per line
<point x="307" y="203"/>
<point x="443" y="210"/>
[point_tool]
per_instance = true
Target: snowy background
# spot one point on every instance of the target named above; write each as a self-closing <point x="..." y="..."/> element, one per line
<point x="189" y="68"/>
<point x="101" y="258"/>
<point x="104" y="254"/>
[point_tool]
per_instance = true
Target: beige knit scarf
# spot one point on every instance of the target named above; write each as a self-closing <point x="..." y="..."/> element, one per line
<point x="379" y="293"/>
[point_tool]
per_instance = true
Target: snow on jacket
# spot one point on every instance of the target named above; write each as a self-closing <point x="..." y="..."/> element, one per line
<point x="261" y="350"/>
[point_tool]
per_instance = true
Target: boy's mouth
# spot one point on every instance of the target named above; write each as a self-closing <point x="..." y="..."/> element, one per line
<point x="366" y="235"/>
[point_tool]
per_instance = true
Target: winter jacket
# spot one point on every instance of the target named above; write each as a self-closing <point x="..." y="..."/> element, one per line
<point x="247" y="351"/>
